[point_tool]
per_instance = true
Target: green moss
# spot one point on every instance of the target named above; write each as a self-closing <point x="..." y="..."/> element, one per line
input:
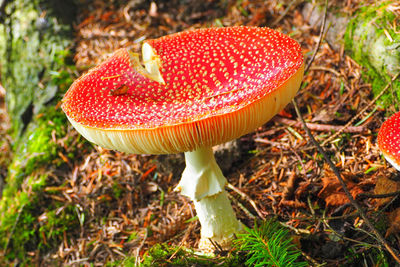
<point x="20" y="204"/>
<point x="36" y="148"/>
<point x="367" y="41"/>
<point x="53" y="224"/>
<point x="29" y="219"/>
<point x="164" y="255"/>
<point x="117" y="190"/>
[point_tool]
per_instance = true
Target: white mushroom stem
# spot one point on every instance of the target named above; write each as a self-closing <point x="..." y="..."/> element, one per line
<point x="203" y="182"/>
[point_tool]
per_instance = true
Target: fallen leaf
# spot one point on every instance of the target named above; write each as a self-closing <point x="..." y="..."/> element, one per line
<point x="394" y="222"/>
<point x="384" y="185"/>
<point x="289" y="188"/>
<point x="302" y="189"/>
<point x="332" y="191"/>
<point x="293" y="204"/>
<point x="340" y="198"/>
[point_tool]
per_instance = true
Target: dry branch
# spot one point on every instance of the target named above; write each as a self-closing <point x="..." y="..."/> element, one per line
<point x="320" y="127"/>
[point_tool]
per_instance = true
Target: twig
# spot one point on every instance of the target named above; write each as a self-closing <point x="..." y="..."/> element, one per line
<point x="310" y="206"/>
<point x="361" y="112"/>
<point x="185" y="237"/>
<point x="298" y="231"/>
<point x="321" y="33"/>
<point x="292" y="3"/>
<point x="392" y="194"/>
<point x="303" y="167"/>
<point x="325" y="222"/>
<point x="326" y="69"/>
<point x="319" y="127"/>
<point x="246" y="197"/>
<point x="242" y="207"/>
<point x="314" y="262"/>
<point x="110" y="254"/>
<point x="381" y="210"/>
<point x="137" y="260"/>
<point x="217" y="246"/>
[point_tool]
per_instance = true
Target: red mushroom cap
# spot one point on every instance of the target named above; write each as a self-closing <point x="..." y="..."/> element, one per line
<point x="220" y="83"/>
<point x="389" y="140"/>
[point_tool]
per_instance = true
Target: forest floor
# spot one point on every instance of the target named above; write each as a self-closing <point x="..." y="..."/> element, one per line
<point x="127" y="203"/>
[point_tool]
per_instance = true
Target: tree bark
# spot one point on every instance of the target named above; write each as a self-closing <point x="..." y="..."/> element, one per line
<point x="32" y="36"/>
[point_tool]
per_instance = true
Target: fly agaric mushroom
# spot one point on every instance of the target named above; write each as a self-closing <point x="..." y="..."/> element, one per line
<point x="389" y="140"/>
<point x="198" y="89"/>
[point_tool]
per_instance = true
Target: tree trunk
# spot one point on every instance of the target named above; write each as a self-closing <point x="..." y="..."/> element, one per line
<point x="34" y="38"/>
<point x="33" y="35"/>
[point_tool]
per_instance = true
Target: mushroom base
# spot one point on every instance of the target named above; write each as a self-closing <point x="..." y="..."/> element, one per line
<point x="203" y="182"/>
<point x="218" y="221"/>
